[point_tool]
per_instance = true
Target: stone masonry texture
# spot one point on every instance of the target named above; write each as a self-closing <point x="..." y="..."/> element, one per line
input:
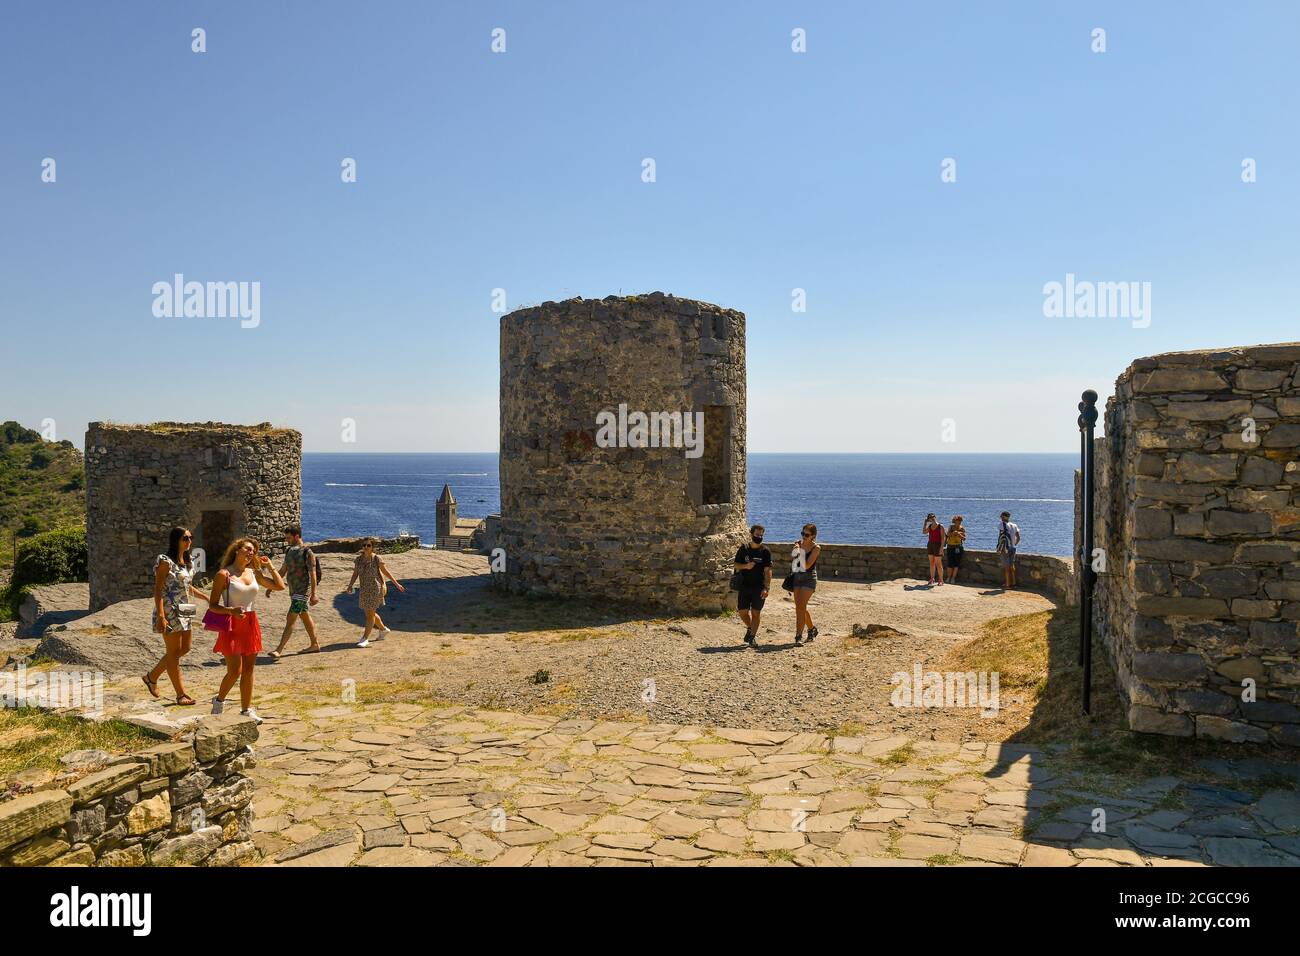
<point x="180" y="802"/>
<point x="143" y="479"/>
<point x="1198" y="511"/>
<point x="641" y="524"/>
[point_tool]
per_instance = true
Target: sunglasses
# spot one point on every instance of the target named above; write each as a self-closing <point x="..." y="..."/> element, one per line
<point x="187" y="537"/>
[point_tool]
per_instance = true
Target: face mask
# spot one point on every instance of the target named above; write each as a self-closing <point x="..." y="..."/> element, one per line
<point x="756" y="538"/>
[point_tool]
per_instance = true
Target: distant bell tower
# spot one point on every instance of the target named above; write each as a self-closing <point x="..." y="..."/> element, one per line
<point x="446" y="513"/>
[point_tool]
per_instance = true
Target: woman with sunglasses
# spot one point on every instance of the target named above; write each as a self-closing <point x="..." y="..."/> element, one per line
<point x="234" y="594"/>
<point x="803" y="564"/>
<point x="372" y="571"/>
<point x="173" y="612"/>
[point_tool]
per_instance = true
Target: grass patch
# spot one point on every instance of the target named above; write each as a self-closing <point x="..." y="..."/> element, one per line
<point x="1036" y="656"/>
<point x="30" y="737"/>
<point x="312" y="696"/>
<point x="903" y="755"/>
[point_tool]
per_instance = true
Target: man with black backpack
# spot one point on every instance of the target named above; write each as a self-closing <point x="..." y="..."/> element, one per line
<point x="301" y="569"/>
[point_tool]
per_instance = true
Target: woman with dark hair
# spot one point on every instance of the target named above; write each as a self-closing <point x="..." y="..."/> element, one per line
<point x="803" y="567"/>
<point x="234" y="594"/>
<point x="934" y="534"/>
<point x="173" y="612"/>
<point x="372" y="571"/>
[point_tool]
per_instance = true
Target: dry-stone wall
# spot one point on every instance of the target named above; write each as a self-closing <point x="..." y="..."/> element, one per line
<point x="183" y="802"/>
<point x="1198" y="512"/>
<point x="221" y="481"/>
<point x="650" y="525"/>
<point x="860" y="562"/>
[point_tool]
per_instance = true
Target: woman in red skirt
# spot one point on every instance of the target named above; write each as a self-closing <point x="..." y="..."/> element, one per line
<point x="234" y="593"/>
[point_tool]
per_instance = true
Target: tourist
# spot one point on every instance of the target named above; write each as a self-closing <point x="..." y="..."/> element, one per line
<point x="754" y="564"/>
<point x="956" y="547"/>
<point x="299" y="570"/>
<point x="934" y="533"/>
<point x="234" y="594"/>
<point x="803" y="568"/>
<point x="1008" y="542"/>
<point x="173" y="614"/>
<point x="371" y="571"/>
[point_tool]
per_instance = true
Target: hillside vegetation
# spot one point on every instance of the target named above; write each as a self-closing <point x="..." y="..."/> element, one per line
<point x="42" y="487"/>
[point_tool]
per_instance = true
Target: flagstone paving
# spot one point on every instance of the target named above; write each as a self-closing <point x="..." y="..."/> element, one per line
<point x="406" y="785"/>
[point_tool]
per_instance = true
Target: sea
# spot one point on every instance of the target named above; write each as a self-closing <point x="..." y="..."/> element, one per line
<point x="852" y="498"/>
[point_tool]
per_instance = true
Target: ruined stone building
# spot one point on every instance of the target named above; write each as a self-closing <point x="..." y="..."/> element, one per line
<point x="221" y="481"/>
<point x="607" y="487"/>
<point x="1198" y="516"/>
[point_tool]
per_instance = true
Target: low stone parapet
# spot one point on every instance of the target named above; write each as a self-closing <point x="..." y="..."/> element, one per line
<point x="185" y="802"/>
<point x="1052" y="576"/>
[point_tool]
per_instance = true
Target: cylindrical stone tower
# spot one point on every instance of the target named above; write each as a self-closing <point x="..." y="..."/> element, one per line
<point x="623" y="449"/>
<point x="221" y="481"/>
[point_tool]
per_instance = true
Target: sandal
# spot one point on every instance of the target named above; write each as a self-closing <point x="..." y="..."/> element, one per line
<point x="275" y="655"/>
<point x="152" y="685"/>
<point x="313" y="649"/>
<point x="185" y="700"/>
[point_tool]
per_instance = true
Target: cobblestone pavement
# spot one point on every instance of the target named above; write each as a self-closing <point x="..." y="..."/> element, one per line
<point x="402" y="784"/>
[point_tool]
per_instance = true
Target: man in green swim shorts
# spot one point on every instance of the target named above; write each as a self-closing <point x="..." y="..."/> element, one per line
<point x="299" y="570"/>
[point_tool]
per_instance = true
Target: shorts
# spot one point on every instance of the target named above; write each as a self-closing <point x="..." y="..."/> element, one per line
<point x="1007" y="559"/>
<point x="750" y="599"/>
<point x="807" y="580"/>
<point x="933" y="548"/>
<point x="953" y="555"/>
<point x="298" y="605"/>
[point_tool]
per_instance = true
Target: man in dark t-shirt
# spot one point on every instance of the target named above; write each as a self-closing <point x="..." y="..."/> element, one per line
<point x="754" y="563"/>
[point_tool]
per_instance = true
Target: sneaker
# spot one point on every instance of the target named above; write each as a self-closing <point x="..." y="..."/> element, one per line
<point x="217" y="705"/>
<point x="364" y="642"/>
<point x="749" y="638"/>
<point x="798" y="638"/>
<point x="812" y="632"/>
<point x="250" y="713"/>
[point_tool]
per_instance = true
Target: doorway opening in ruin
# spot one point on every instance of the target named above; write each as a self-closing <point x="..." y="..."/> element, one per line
<point x="715" y="485"/>
<point x="215" y="532"/>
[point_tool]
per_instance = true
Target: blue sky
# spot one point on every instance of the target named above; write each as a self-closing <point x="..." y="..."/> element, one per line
<point x="775" y="170"/>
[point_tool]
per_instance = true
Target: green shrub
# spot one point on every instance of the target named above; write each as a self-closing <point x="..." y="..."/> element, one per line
<point x="54" y="557"/>
<point x="11" y="433"/>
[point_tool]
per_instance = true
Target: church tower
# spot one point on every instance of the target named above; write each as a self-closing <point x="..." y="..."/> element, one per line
<point x="446" y="524"/>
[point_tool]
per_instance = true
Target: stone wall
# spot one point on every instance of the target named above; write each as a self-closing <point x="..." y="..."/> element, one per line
<point x="1198" y="512"/>
<point x="183" y="802"/>
<point x="642" y="524"/>
<point x="395" y="545"/>
<point x="858" y="562"/>
<point x="221" y="481"/>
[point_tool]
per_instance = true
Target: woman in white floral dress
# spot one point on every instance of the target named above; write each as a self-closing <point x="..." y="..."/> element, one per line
<point x="173" y="611"/>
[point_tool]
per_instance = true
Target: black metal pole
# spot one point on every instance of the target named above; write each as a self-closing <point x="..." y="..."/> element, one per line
<point x="1088" y="417"/>
<point x="1083" y="520"/>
